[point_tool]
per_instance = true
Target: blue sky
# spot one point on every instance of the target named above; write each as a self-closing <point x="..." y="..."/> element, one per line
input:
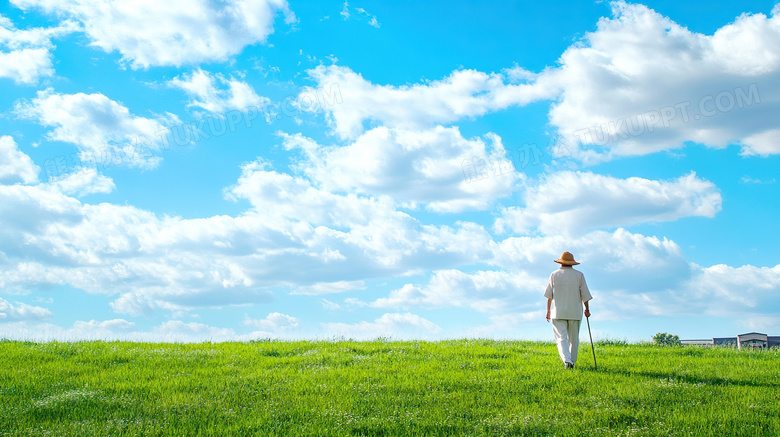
<point x="195" y="171"/>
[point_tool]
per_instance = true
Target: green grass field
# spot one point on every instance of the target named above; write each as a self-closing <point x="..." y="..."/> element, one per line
<point x="460" y="387"/>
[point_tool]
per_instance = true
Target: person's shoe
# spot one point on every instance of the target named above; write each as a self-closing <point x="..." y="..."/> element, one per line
<point x="569" y="365"/>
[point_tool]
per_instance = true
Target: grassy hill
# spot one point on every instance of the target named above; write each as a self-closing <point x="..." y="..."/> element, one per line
<point x="461" y="387"/>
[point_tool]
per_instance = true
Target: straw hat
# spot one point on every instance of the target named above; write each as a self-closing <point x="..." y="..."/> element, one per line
<point x="567" y="259"/>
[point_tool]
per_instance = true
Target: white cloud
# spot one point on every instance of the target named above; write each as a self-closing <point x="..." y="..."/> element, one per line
<point x="362" y="14"/>
<point x="21" y="312"/>
<point x="463" y="94"/>
<point x="274" y="322"/>
<point x="434" y="167"/>
<point x="330" y="287"/>
<point x="49" y="238"/>
<point x="638" y="84"/>
<point x="114" y="324"/>
<point x="642" y="83"/>
<point x="115" y="329"/>
<point x="492" y="291"/>
<point x="295" y="237"/>
<point x="725" y="290"/>
<point x="124" y="330"/>
<point x="29" y="56"/>
<point x="26" y="66"/>
<point x="281" y="196"/>
<point x="350" y="226"/>
<point x="634" y="276"/>
<point x="179" y="331"/>
<point x="394" y="325"/>
<point x="749" y="180"/>
<point x="572" y="202"/>
<point x="152" y="33"/>
<point x="26" y="211"/>
<point x="748" y="294"/>
<point x="618" y="260"/>
<point x="631" y="277"/>
<point x="528" y="326"/>
<point x="205" y="92"/>
<point x="763" y="143"/>
<point x="82" y="183"/>
<point x="15" y="165"/>
<point x="104" y="130"/>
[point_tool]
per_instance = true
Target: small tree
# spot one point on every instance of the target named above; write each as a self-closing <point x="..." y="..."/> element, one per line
<point x="664" y="339"/>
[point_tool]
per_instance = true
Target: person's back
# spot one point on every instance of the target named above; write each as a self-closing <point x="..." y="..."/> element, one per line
<point x="566" y="293"/>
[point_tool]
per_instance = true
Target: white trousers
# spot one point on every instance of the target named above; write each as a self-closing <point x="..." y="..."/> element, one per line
<point x="567" y="335"/>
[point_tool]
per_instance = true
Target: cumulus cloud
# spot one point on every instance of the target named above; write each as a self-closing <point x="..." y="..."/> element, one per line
<point x="300" y="238"/>
<point x="635" y="276"/>
<point x="15" y="165"/>
<point x="179" y="331"/>
<point x="274" y="322"/>
<point x="26" y="66"/>
<point x="632" y="276"/>
<point x="747" y="293"/>
<point x="111" y="249"/>
<point x="572" y="202"/>
<point x="29" y="51"/>
<point x="723" y="290"/>
<point x="282" y="197"/>
<point x="524" y="325"/>
<point x="763" y="144"/>
<point x="639" y="84"/>
<point x="115" y="329"/>
<point x="618" y="260"/>
<point x="153" y="33"/>
<point x="329" y="287"/>
<point x="21" y="312"/>
<point x="434" y="167"/>
<point x="123" y="330"/>
<point x="642" y="83"/>
<point x="294" y="237"/>
<point x="104" y="130"/>
<point x="217" y="94"/>
<point x="82" y="183"/>
<point x="351" y="224"/>
<point x="28" y="211"/>
<point x="490" y="291"/>
<point x="114" y="324"/>
<point x="463" y="94"/>
<point x="395" y="325"/>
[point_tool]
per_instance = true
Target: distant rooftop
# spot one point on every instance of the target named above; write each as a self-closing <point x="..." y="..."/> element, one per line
<point x="753" y="340"/>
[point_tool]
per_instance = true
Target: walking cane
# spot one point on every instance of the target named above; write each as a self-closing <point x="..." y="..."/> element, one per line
<point x="587" y="319"/>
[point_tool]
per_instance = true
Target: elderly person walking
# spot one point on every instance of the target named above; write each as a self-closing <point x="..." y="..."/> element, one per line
<point x="566" y="293"/>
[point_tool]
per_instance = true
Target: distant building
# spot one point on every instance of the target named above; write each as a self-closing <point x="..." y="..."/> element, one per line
<point x="696" y="342"/>
<point x="750" y="340"/>
<point x="725" y="341"/>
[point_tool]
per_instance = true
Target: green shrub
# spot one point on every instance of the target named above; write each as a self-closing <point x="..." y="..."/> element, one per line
<point x="664" y="339"/>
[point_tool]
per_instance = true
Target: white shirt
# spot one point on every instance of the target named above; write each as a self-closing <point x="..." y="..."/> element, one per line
<point x="568" y="290"/>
